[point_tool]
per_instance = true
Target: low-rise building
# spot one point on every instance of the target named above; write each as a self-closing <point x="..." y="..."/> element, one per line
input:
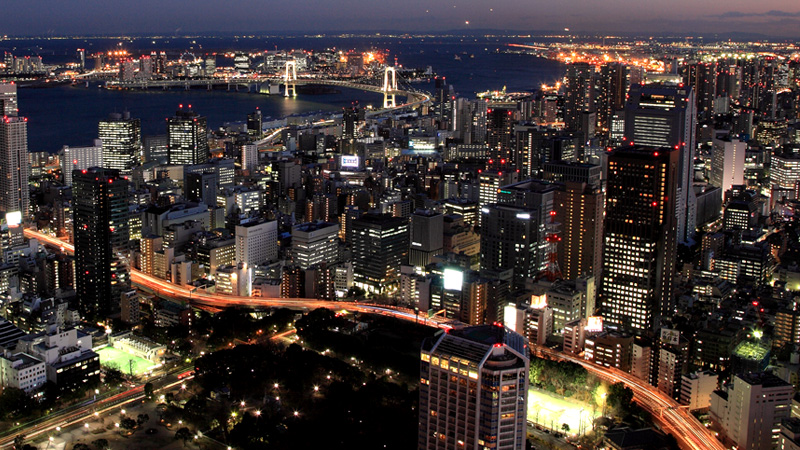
<point x="696" y="389"/>
<point x="22" y="371"/>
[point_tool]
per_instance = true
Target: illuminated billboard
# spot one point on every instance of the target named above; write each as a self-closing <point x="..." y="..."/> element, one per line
<point x="350" y="161"/>
<point x="14" y="218"/>
<point x="595" y="324"/>
<point x="453" y="279"/>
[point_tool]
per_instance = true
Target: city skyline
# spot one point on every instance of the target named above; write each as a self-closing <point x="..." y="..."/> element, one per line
<point x="774" y="18"/>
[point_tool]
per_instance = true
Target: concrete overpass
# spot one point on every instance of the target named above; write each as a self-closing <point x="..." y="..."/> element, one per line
<point x="687" y="430"/>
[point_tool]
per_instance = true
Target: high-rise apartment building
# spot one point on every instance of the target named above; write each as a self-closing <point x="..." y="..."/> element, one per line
<point x="380" y="247"/>
<point x="751" y="411"/>
<point x="121" y="137"/>
<point x="659" y="115"/>
<point x="187" y="138"/>
<point x="579" y="88"/>
<point x="14" y="165"/>
<point x="8" y="99"/>
<point x="500" y="134"/>
<point x="639" y="236"/>
<point x="79" y="158"/>
<point x="473" y="390"/>
<point x="100" y="218"/>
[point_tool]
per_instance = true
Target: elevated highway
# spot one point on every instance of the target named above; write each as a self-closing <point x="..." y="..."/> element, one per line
<point x="687" y="430"/>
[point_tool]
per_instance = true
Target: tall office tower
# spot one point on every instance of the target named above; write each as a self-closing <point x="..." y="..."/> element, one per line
<point x="612" y="85"/>
<point x="579" y="209"/>
<point x="350" y="119"/>
<point x="579" y="96"/>
<point x="751" y="411"/>
<point x="563" y="171"/>
<point x="14" y="165"/>
<point x="537" y="146"/>
<point x="509" y="241"/>
<point x="659" y="115"/>
<point x="256" y="242"/>
<point x="80" y="158"/>
<point x="785" y="171"/>
<point x="8" y="99"/>
<point x="315" y="243"/>
<point x="701" y="79"/>
<point x="254" y="124"/>
<point x="121" y="137"/>
<point x="187" y="138"/>
<point x="727" y="163"/>
<point x="473" y="389"/>
<point x="380" y="247"/>
<point x="444" y="97"/>
<point x="500" y="134"/>
<point x="639" y="237"/>
<point x="201" y="187"/>
<point x="427" y="237"/>
<point x="100" y="218"/>
<point x="489" y="182"/>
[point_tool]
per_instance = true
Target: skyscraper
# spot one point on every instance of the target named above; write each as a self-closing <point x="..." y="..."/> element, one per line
<point x="121" y="138"/>
<point x="727" y="163"/>
<point x="500" y="135"/>
<point x="660" y="115"/>
<point x="579" y="209"/>
<point x="427" y="237"/>
<point x="14" y="165"/>
<point x="380" y="246"/>
<point x="579" y="99"/>
<point x="473" y="389"/>
<point x="80" y="158"/>
<point x="187" y="141"/>
<point x="8" y="99"/>
<point x="100" y="217"/>
<point x="639" y="237"/>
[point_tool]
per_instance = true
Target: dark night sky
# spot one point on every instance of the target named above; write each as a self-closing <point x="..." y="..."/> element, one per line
<point x="59" y="17"/>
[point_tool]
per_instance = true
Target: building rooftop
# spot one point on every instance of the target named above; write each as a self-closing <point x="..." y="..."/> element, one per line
<point x="764" y="379"/>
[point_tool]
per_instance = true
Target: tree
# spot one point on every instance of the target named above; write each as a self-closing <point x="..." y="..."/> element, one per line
<point x="142" y="419"/>
<point x="620" y="399"/>
<point x="80" y="446"/>
<point x="113" y="376"/>
<point x="100" y="444"/>
<point x="565" y="427"/>
<point x="19" y="441"/>
<point x="148" y="390"/>
<point x="127" y="423"/>
<point x="169" y="397"/>
<point x="183" y="434"/>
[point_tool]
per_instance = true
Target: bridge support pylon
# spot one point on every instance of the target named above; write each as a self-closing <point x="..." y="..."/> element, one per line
<point x="389" y="87"/>
<point x="290" y="78"/>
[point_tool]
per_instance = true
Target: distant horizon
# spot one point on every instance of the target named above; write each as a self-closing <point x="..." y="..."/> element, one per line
<point x="585" y="17"/>
<point x="504" y="32"/>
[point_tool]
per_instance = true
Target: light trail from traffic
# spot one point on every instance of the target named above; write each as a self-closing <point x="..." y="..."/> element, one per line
<point x="689" y="432"/>
<point x="205" y="299"/>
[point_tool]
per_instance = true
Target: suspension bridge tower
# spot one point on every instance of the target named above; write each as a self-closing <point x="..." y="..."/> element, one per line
<point x="389" y="87"/>
<point x="290" y="79"/>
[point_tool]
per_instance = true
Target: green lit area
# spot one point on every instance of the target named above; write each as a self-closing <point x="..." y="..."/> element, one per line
<point x="751" y="350"/>
<point x="552" y="412"/>
<point x="118" y="359"/>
